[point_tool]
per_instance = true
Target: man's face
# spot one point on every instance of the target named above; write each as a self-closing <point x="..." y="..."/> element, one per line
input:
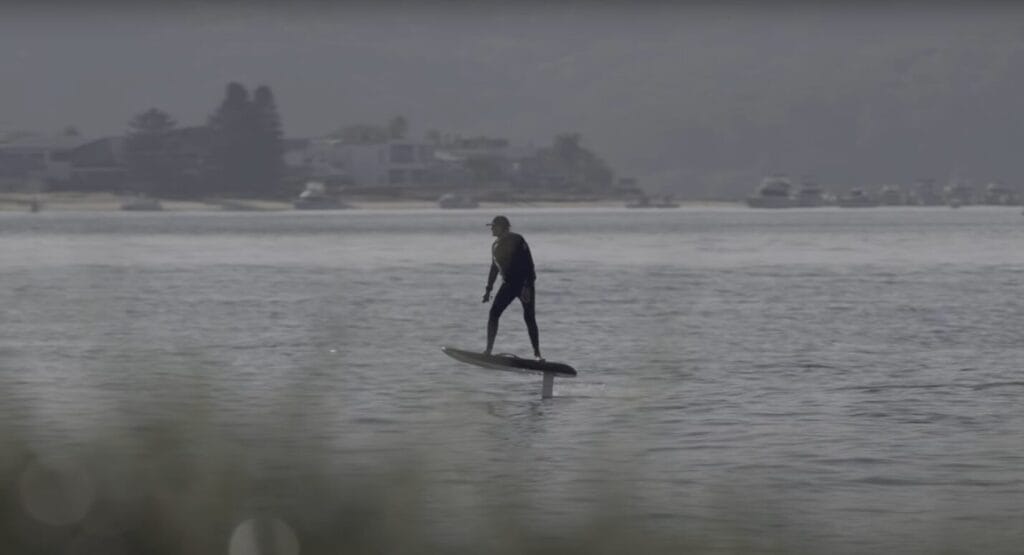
<point x="498" y="229"/>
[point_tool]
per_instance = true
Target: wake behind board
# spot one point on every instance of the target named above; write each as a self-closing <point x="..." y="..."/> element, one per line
<point x="511" y="363"/>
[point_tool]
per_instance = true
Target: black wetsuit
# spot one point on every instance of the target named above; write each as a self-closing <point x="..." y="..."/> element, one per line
<point x="511" y="258"/>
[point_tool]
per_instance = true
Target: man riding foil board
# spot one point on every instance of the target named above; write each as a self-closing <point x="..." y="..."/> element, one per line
<point x="510" y="257"/>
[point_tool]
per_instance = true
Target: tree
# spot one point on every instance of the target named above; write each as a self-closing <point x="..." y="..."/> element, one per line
<point x="234" y="131"/>
<point x="268" y="143"/>
<point x="152" y="164"/>
<point x="577" y="166"/>
<point x="569" y="156"/>
<point x="567" y="148"/>
<point x="398" y="127"/>
<point x="596" y="172"/>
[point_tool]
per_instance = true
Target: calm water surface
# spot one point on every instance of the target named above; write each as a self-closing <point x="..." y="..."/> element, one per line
<point x="850" y="377"/>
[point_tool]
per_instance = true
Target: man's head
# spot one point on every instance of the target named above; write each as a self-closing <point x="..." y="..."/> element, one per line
<point x="499" y="225"/>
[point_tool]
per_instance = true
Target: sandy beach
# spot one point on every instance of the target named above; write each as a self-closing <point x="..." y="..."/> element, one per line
<point x="102" y="202"/>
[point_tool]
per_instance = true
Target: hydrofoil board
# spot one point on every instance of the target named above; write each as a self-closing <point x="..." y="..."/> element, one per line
<point x="511" y="363"/>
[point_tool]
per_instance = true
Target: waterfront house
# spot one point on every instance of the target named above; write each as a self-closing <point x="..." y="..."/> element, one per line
<point x="394" y="163"/>
<point x="98" y="165"/>
<point x="29" y="159"/>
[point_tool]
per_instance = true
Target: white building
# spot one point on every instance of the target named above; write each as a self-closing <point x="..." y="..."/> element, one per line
<point x="27" y="159"/>
<point x="393" y="163"/>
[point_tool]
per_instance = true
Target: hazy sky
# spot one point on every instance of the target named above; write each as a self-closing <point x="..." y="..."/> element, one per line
<point x="511" y="69"/>
<point x="444" y="66"/>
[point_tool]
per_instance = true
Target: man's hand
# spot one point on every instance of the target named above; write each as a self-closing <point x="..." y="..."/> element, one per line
<point x="526" y="295"/>
<point x="487" y="296"/>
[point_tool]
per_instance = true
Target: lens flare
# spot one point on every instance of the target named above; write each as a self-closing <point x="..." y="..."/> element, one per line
<point x="56" y="494"/>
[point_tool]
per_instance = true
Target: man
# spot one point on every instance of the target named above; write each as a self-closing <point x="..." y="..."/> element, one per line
<point x="510" y="256"/>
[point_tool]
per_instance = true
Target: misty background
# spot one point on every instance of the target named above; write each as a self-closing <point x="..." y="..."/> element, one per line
<point x="207" y="380"/>
<point x="695" y="100"/>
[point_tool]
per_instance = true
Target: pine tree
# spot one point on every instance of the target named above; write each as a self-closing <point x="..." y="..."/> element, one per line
<point x="398" y="127"/>
<point x="152" y="164"/>
<point x="230" y="167"/>
<point x="579" y="167"/>
<point x="268" y="153"/>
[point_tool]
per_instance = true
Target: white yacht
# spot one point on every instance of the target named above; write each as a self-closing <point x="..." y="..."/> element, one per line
<point x="775" y="192"/>
<point x="453" y="200"/>
<point x="857" y="198"/>
<point x="316" y="197"/>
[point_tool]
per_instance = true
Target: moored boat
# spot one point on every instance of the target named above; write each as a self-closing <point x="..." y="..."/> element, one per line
<point x="857" y="198"/>
<point x="809" y="194"/>
<point x="959" y="193"/>
<point x="454" y="200"/>
<point x="316" y="197"/>
<point x="891" y="195"/>
<point x="775" y="192"/>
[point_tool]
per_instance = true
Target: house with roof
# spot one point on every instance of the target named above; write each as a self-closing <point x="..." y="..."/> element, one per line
<point x="392" y="163"/>
<point x="485" y="162"/>
<point x="103" y="164"/>
<point x="28" y="159"/>
<point x="98" y="165"/>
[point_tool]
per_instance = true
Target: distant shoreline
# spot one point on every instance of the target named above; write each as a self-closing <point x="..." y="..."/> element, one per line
<point x="109" y="202"/>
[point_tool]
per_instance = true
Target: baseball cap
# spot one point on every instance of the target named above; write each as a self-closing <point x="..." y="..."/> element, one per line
<point x="500" y="220"/>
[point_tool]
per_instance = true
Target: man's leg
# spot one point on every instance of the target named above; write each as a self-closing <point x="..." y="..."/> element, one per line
<point x="527" y="298"/>
<point x="501" y="302"/>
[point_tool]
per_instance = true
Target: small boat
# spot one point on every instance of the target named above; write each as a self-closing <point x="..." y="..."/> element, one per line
<point x="810" y="194"/>
<point x="775" y="192"/>
<point x="857" y="198"/>
<point x="453" y="200"/>
<point x="891" y="195"/>
<point x="315" y="197"/>
<point x="142" y="203"/>
<point x="959" y="194"/>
